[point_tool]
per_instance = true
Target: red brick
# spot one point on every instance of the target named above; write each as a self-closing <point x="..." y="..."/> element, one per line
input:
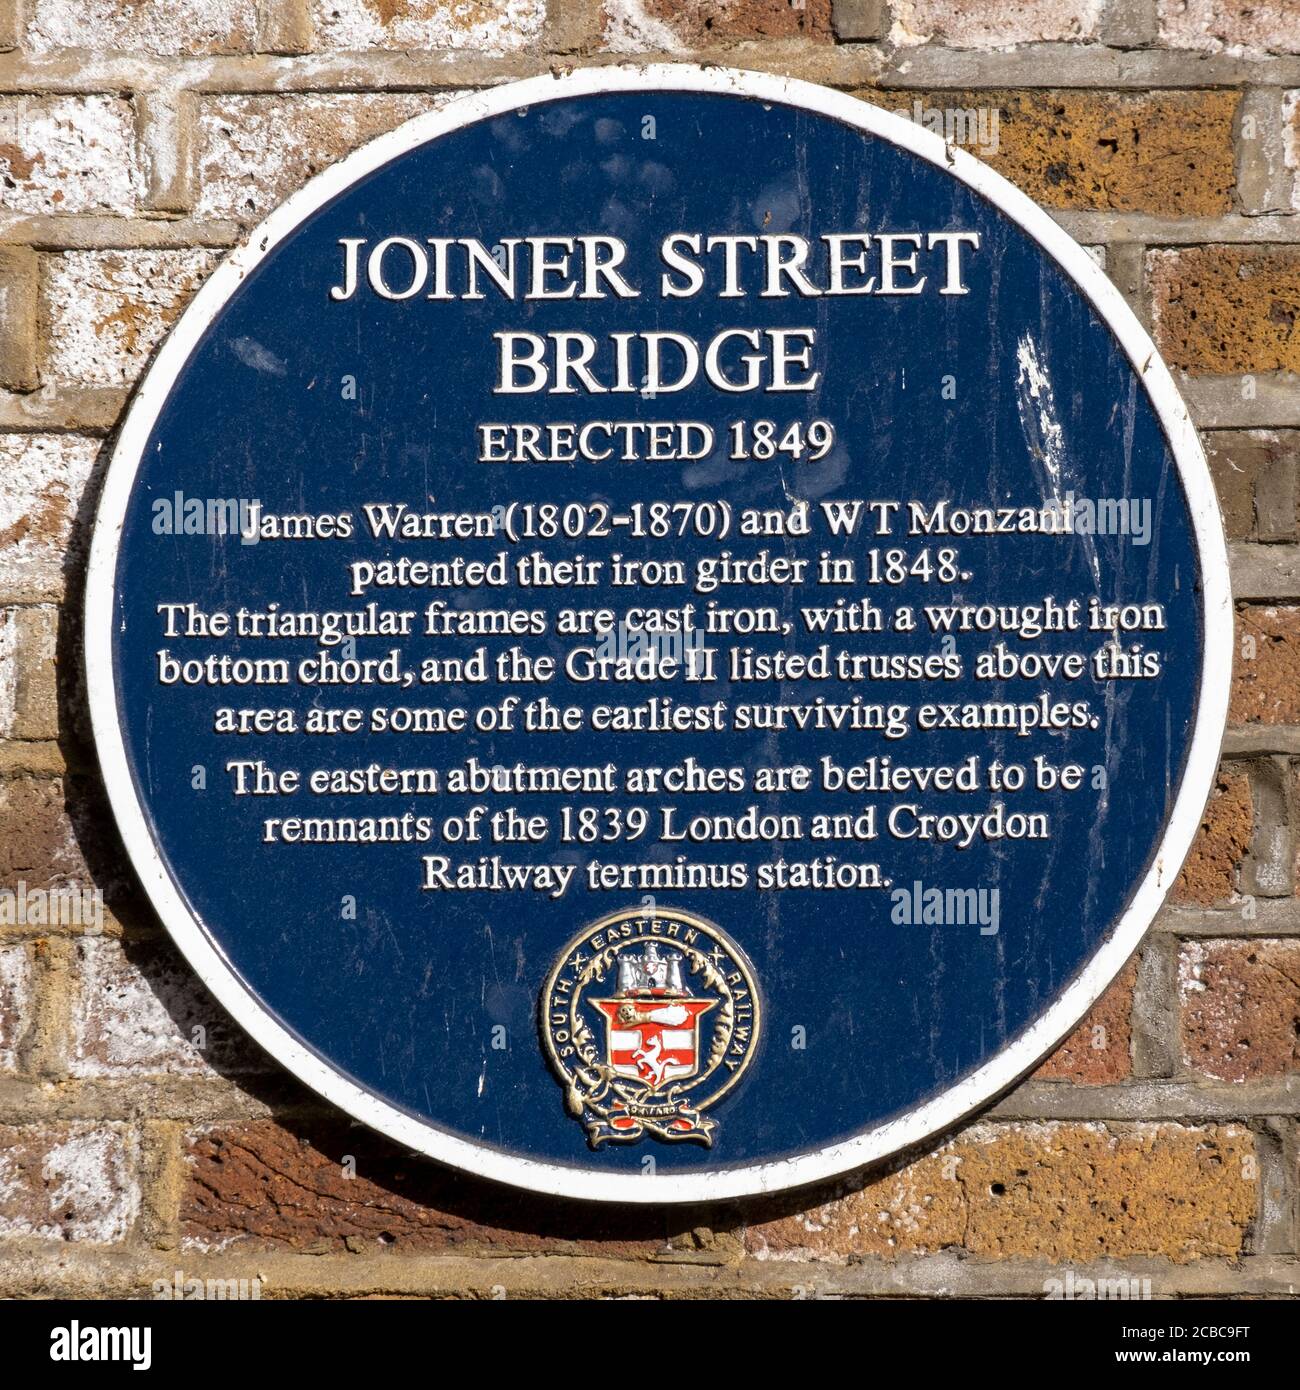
<point x="68" y="1183"/>
<point x="1266" y="673"/>
<point x="488" y="26"/>
<point x="37" y="843"/>
<point x="256" y="150"/>
<point x="141" y="1011"/>
<point x="993" y="23"/>
<point x="1209" y="874"/>
<point x="267" y="1186"/>
<point x="1097" y="1053"/>
<point x="167" y="27"/>
<point x="106" y="311"/>
<point x="42" y="478"/>
<point x="1259" y="26"/>
<point x="68" y="154"/>
<point x="1240" y="1008"/>
<point x="639" y="25"/>
<point x="15" y="1001"/>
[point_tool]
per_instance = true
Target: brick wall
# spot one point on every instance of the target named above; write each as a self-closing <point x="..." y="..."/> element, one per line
<point x="141" y="1134"/>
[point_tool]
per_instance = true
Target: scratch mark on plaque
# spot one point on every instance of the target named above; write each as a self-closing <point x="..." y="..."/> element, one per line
<point x="1036" y="402"/>
<point x="252" y="354"/>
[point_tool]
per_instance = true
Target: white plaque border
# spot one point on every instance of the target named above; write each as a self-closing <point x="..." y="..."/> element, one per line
<point x="936" y="1115"/>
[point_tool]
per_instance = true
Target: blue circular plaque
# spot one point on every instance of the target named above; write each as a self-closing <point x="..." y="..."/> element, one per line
<point x="658" y="634"/>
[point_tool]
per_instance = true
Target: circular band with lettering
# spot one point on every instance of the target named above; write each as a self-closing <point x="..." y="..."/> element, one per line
<point x="658" y="634"/>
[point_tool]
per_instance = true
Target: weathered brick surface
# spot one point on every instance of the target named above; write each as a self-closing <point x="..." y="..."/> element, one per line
<point x="1227" y="308"/>
<point x="36" y="700"/>
<point x="164" y="27"/>
<point x="1240" y="1017"/>
<point x="1169" y="153"/>
<point x="265" y="1186"/>
<point x="1052" y="1191"/>
<point x="1258" y="26"/>
<point x="635" y="25"/>
<point x="42" y="477"/>
<point x="165" y="146"/>
<point x="15" y="1000"/>
<point x="1255" y="474"/>
<point x="107" y="310"/>
<point x="1210" y="873"/>
<point x="256" y="150"/>
<point x="67" y="154"/>
<point x="9" y="670"/>
<point x="142" y="1011"/>
<point x="201" y="130"/>
<point x="489" y="26"/>
<point x="1291" y="145"/>
<point x="38" y="846"/>
<point x="1266" y="673"/>
<point x="69" y="1183"/>
<point x="994" y="23"/>
<point x="18" y="339"/>
<point x="28" y="685"/>
<point x="856" y="20"/>
<point x="1097" y="1053"/>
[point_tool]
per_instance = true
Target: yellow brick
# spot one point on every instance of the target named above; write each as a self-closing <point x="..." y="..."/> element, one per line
<point x="1167" y="153"/>
<point x="1059" y="1192"/>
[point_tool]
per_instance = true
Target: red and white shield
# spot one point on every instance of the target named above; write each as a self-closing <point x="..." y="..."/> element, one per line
<point x="654" y="1041"/>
